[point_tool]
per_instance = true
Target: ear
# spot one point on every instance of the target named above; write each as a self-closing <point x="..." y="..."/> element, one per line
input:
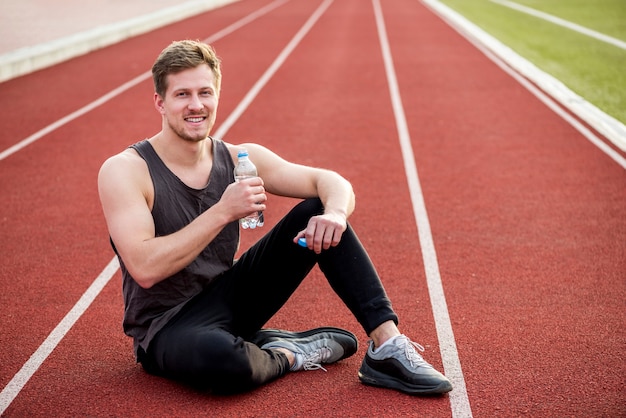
<point x="158" y="103"/>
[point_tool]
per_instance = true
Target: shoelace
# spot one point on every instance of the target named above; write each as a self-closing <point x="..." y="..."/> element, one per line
<point x="410" y="351"/>
<point x="313" y="361"/>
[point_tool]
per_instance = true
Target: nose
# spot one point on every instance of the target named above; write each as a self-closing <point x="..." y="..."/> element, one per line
<point x="195" y="103"/>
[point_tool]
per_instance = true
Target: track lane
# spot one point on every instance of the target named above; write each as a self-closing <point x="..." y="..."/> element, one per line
<point x="524" y="212"/>
<point x="344" y="121"/>
<point x="69" y="229"/>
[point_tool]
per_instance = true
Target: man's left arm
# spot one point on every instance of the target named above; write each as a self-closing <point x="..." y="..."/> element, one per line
<point x="284" y="178"/>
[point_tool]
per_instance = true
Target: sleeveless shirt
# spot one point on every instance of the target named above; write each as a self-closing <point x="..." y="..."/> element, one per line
<point x="147" y="311"/>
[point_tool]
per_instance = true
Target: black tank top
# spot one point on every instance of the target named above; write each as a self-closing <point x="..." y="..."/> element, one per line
<point x="176" y="205"/>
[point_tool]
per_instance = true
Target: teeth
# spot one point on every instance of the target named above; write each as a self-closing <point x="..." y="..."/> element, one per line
<point x="195" y="119"/>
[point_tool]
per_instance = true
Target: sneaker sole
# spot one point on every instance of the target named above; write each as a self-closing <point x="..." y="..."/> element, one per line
<point x="371" y="377"/>
<point x="270" y="333"/>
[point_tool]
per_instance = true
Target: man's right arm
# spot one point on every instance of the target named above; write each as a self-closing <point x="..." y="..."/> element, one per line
<point x="126" y="195"/>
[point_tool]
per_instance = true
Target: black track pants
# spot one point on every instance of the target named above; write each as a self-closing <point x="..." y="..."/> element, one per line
<point x="205" y="344"/>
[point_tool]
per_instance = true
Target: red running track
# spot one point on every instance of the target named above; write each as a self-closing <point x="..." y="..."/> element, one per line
<point x="527" y="219"/>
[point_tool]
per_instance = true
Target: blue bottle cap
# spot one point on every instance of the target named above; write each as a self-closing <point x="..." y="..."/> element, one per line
<point x="302" y="242"/>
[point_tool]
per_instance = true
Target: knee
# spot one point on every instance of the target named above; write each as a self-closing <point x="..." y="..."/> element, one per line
<point x="310" y="207"/>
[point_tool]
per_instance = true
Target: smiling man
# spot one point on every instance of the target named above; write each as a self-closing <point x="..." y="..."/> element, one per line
<point x="172" y="208"/>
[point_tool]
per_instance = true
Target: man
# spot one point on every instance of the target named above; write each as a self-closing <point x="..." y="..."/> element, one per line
<point x="172" y="207"/>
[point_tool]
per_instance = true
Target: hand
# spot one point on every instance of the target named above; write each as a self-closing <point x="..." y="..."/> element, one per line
<point x="323" y="231"/>
<point x="245" y="197"/>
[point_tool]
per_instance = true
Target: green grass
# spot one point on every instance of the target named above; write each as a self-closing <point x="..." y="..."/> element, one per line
<point x="604" y="16"/>
<point x="593" y="69"/>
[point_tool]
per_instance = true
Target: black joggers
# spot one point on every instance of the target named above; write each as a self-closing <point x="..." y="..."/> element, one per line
<point x="205" y="343"/>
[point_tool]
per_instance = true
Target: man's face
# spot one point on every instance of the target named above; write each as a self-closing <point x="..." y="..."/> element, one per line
<point x="190" y="103"/>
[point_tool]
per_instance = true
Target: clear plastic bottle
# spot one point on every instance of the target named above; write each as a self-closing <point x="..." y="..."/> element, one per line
<point x="243" y="170"/>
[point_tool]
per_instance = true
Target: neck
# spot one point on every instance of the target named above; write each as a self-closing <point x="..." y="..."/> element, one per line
<point x="190" y="161"/>
<point x="180" y="151"/>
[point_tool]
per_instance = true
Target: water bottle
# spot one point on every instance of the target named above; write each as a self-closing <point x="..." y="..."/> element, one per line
<point x="245" y="169"/>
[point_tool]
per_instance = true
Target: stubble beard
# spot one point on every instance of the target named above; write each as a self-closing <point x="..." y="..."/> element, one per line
<point x="182" y="134"/>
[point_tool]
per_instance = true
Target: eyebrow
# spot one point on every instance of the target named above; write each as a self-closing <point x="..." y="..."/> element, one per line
<point x="185" y="89"/>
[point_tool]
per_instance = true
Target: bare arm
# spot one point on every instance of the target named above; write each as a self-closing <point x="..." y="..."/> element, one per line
<point x="283" y="178"/>
<point x="126" y="195"/>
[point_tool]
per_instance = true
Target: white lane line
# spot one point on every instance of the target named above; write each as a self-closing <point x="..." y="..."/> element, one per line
<point x="519" y="68"/>
<point x="126" y="86"/>
<point x="459" y="400"/>
<point x="562" y="22"/>
<point x="547" y="100"/>
<point x="13" y="388"/>
<point x="269" y="73"/>
<point x="72" y="116"/>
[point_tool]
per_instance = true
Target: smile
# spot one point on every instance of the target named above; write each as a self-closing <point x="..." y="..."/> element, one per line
<point x="195" y="119"/>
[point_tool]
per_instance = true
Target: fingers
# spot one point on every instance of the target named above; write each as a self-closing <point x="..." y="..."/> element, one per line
<point x="321" y="233"/>
<point x="254" y="191"/>
<point x="246" y="196"/>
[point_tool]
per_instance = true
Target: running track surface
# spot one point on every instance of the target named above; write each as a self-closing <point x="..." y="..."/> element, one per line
<point x="525" y="214"/>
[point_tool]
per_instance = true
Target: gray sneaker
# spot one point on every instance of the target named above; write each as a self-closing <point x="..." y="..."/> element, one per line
<point x="399" y="366"/>
<point x="311" y="348"/>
